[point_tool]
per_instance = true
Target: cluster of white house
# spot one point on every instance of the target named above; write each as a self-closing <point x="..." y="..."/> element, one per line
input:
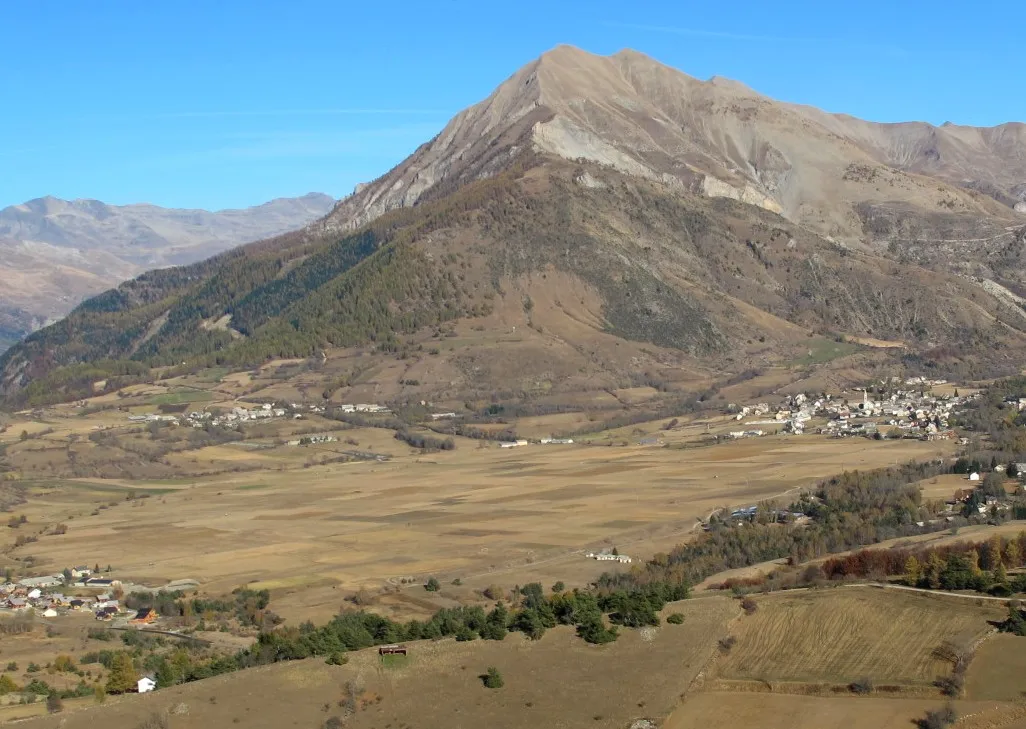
<point x="237" y="415"/>
<point x="912" y="411"/>
<point x="746" y="433"/>
<point x="363" y="408"/>
<point x="544" y="441"/>
<point x="609" y="557"/>
<point x="44" y="594"/>
<point x="202" y="418"/>
<point x="265" y="411"/>
<point x="313" y="440"/>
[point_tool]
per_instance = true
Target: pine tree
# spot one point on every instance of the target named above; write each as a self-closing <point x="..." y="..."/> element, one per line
<point x="992" y="555"/>
<point x="913" y="571"/>
<point x="492" y="678"/>
<point x="1000" y="574"/>
<point x="166" y="675"/>
<point x="973" y="558"/>
<point x="122" y="676"/>
<point x="934" y="569"/>
<point x="1013" y="555"/>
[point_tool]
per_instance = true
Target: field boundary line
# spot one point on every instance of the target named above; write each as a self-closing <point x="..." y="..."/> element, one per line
<point x="822" y="689"/>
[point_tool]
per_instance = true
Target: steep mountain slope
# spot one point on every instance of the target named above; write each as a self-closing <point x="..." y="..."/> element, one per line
<point x="55" y="253"/>
<point x="628" y="216"/>
<point x="716" y="137"/>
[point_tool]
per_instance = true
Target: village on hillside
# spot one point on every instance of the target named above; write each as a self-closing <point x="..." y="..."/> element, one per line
<point x="76" y="590"/>
<point x="908" y="411"/>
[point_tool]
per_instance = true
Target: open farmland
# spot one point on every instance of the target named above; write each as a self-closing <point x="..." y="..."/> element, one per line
<point x="480" y="514"/>
<point x="642" y="674"/>
<point x="844" y="634"/>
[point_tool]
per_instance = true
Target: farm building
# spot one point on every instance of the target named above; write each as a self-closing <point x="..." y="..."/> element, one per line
<point x="144" y="616"/>
<point x="145" y="684"/>
<point x="609" y="557"/>
<point x="44" y="581"/>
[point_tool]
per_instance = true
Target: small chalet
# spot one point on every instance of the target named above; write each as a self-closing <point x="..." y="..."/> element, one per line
<point x="145" y="684"/>
<point x="106" y="613"/>
<point x="144" y="616"/>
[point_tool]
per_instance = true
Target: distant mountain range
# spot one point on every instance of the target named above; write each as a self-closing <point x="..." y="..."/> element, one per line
<point x="55" y="253"/>
<point x="621" y="217"/>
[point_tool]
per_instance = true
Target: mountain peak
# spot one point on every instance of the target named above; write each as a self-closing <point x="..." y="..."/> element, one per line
<point x="566" y="53"/>
<point x="717" y="137"/>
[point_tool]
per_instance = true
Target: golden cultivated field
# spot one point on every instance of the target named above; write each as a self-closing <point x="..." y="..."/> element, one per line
<point x="481" y="514"/>
<point x="844" y="634"/>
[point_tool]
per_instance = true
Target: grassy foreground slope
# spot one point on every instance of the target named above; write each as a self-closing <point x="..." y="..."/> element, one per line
<point x="558" y="681"/>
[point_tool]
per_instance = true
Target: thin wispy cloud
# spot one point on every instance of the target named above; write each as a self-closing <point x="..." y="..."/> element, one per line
<point x="757" y="37"/>
<point x="26" y="150"/>
<point x="374" y="144"/>
<point x="259" y="113"/>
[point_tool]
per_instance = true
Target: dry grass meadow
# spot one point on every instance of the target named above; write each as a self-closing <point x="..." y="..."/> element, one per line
<point x="999" y="669"/>
<point x="265" y="515"/>
<point x="844" y="634"/>
<point x="484" y="515"/>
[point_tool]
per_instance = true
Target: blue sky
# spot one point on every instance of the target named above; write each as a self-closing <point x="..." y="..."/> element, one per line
<point x="230" y="103"/>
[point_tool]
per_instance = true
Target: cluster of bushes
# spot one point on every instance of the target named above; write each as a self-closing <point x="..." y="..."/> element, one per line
<point x="1016" y="621"/>
<point x="847" y="511"/>
<point x="165" y="602"/>
<point x="426" y="442"/>
<point x="1000" y="421"/>
<point x="247" y="606"/>
<point x="42" y="688"/>
<point x="533" y="615"/>
<point x="980" y="566"/>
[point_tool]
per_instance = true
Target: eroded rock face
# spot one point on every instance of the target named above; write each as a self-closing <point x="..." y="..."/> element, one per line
<point x="747" y="194"/>
<point x="1020" y="207"/>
